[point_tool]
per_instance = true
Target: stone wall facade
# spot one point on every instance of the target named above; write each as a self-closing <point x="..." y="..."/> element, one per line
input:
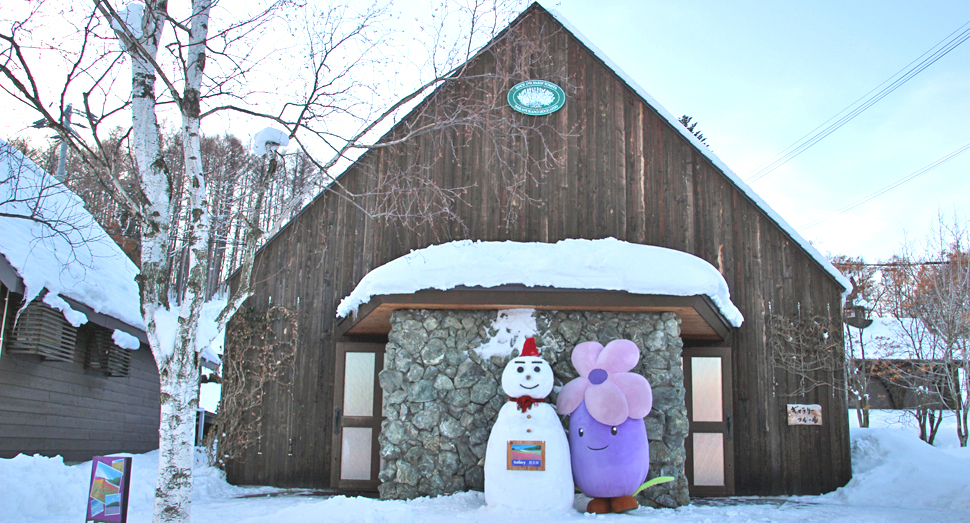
<point x="441" y="397"/>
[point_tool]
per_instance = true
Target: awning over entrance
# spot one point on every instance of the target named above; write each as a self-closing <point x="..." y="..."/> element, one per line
<point x="701" y="319"/>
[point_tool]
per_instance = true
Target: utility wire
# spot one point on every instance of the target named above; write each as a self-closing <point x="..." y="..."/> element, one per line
<point x="889" y="187"/>
<point x="949" y="43"/>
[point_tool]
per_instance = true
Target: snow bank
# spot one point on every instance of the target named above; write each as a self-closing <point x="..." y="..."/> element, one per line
<point x="78" y="261"/>
<point x="897" y="479"/>
<point x="607" y="264"/>
<point x="893" y="468"/>
<point x="38" y="488"/>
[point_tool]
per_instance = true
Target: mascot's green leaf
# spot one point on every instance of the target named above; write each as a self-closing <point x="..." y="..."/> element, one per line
<point x="655" y="481"/>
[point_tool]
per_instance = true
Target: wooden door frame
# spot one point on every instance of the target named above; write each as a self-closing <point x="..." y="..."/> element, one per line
<point x="340" y="421"/>
<point x="725" y="427"/>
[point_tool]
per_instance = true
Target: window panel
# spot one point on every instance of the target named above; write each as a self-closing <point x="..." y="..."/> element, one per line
<point x="355" y="455"/>
<point x="706" y="383"/>
<point x="359" y="384"/>
<point x="708" y="459"/>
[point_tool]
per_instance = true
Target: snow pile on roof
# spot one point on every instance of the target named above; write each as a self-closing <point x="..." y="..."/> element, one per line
<point x="607" y="264"/>
<point x="702" y="147"/>
<point x="125" y="340"/>
<point x="892" y="338"/>
<point x="78" y="260"/>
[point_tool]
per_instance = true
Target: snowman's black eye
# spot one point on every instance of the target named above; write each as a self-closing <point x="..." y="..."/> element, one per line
<point x="613" y="431"/>
<point x="538" y="369"/>
<point x="521" y="369"/>
<point x="580" y="432"/>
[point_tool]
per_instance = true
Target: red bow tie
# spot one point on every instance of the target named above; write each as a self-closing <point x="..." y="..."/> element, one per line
<point x="526" y="402"/>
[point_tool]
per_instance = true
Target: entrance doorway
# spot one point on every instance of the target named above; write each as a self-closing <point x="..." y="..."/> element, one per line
<point x="357" y="416"/>
<point x="710" y="446"/>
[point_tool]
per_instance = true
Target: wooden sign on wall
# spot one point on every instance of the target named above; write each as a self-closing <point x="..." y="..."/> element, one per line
<point x="804" y="414"/>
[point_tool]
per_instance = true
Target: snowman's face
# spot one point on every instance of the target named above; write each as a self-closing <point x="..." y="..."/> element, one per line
<point x="527" y="376"/>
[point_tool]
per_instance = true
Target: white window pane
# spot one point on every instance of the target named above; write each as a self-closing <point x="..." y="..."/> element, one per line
<point x="706" y="389"/>
<point x="355" y="453"/>
<point x="359" y="384"/>
<point x="708" y="459"/>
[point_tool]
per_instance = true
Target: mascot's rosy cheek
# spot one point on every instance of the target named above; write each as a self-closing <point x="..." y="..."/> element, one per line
<point x="608" y="443"/>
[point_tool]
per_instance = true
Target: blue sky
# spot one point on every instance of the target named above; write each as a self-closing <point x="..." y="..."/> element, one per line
<point x="757" y="76"/>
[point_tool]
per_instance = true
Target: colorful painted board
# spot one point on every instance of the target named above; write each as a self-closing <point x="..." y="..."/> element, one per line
<point x="526" y="455"/>
<point x="108" y="495"/>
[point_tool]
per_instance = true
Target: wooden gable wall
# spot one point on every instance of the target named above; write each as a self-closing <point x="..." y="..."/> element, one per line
<point x="624" y="172"/>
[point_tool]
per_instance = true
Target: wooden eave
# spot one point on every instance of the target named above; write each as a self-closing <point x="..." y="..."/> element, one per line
<point x="700" y="318"/>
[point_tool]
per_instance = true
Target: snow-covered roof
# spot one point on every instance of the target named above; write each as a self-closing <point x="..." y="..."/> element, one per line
<point x="700" y="146"/>
<point x="78" y="260"/>
<point x="897" y="339"/>
<point x="607" y="264"/>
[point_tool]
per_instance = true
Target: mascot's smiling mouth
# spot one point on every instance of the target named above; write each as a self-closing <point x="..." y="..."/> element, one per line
<point x="591" y="448"/>
<point x="530" y="388"/>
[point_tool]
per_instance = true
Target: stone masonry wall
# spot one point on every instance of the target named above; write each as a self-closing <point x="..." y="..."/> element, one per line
<point x="441" y="397"/>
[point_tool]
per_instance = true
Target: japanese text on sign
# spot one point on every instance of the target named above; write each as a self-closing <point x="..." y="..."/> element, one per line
<point x="804" y="414"/>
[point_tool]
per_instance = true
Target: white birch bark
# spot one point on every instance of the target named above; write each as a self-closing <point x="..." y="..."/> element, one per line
<point x="180" y="375"/>
<point x="172" y="338"/>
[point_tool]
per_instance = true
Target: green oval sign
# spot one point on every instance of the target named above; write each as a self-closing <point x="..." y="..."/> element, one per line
<point x="536" y="97"/>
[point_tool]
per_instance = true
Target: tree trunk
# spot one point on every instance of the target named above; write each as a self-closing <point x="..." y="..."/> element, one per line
<point x="179" y="377"/>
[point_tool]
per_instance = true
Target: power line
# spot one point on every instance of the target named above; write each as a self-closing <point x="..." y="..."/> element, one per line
<point x="949" y="43"/>
<point x="889" y="187"/>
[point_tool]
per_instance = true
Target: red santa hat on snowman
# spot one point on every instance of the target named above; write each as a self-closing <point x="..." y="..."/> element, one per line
<point x="525" y="401"/>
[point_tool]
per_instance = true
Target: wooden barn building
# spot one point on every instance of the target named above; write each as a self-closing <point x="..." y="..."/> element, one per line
<point x="610" y="163"/>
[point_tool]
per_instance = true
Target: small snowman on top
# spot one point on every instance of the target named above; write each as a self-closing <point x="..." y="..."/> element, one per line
<point x="527" y="463"/>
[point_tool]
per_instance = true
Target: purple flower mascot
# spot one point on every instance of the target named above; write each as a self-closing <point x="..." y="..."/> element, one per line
<point x="608" y="443"/>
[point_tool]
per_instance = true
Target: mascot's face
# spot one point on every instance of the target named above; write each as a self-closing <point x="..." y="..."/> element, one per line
<point x="527" y="376"/>
<point x="608" y="461"/>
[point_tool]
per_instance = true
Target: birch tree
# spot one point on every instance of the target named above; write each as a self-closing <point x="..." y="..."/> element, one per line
<point x="197" y="63"/>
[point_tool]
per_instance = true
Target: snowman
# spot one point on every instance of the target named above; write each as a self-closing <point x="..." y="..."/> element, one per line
<point x="527" y="463"/>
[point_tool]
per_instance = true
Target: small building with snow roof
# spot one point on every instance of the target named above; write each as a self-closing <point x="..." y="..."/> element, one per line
<point x="904" y="365"/>
<point x="77" y="378"/>
<point x="636" y="230"/>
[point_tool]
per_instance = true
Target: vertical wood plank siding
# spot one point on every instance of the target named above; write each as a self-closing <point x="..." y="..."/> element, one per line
<point x="624" y="172"/>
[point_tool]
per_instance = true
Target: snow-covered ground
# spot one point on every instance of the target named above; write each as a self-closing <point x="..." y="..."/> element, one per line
<point x="897" y="478"/>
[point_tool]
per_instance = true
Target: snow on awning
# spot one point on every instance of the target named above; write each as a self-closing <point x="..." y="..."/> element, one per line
<point x="626" y="269"/>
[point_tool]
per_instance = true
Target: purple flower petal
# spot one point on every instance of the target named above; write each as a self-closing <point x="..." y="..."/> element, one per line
<point x="636" y="389"/>
<point x="607" y="404"/>
<point x="585" y="355"/>
<point x="571" y="395"/>
<point x="618" y="356"/>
